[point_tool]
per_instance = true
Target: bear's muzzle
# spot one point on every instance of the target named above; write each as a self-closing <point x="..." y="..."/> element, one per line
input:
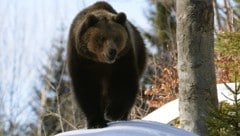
<point x="112" y="54"/>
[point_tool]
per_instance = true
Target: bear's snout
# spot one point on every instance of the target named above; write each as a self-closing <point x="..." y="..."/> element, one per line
<point x="112" y="54"/>
<point x="100" y="66"/>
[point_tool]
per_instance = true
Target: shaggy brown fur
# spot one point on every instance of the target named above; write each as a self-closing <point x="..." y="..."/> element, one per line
<point x="106" y="57"/>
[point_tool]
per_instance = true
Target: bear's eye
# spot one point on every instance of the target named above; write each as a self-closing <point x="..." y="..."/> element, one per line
<point x="117" y="39"/>
<point x="101" y="38"/>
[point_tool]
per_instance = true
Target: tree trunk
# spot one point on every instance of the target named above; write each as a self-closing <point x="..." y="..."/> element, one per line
<point x="197" y="80"/>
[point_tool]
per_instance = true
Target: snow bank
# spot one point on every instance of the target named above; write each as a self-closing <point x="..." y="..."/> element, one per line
<point x="164" y="114"/>
<point x="169" y="111"/>
<point x="131" y="128"/>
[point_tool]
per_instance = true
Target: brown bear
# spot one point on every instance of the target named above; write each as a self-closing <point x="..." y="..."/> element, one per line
<point x="106" y="57"/>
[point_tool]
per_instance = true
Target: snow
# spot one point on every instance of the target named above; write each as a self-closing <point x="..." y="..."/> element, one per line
<point x="131" y="128"/>
<point x="27" y="31"/>
<point x="169" y="111"/>
<point x="222" y="89"/>
<point x="164" y="114"/>
<point x="154" y="124"/>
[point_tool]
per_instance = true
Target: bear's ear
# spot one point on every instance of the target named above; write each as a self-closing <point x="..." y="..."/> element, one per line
<point x="91" y="20"/>
<point x="120" y="18"/>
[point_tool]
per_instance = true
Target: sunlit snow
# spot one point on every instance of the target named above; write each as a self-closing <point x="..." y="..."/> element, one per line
<point x="131" y="128"/>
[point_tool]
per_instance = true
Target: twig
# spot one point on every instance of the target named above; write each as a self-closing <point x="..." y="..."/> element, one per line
<point x="59" y="116"/>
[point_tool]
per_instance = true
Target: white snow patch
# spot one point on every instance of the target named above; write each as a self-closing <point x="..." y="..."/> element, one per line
<point x="131" y="128"/>
<point x="164" y="114"/>
<point x="169" y="111"/>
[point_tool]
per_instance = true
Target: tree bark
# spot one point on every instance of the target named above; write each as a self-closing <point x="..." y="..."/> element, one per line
<point x="196" y="70"/>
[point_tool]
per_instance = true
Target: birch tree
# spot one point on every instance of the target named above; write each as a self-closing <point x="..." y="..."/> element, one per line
<point x="197" y="80"/>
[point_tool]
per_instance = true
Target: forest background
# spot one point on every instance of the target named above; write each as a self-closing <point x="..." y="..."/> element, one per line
<point x="34" y="87"/>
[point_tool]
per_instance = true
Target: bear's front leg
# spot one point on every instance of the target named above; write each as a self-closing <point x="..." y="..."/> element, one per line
<point x="88" y="93"/>
<point x="122" y="94"/>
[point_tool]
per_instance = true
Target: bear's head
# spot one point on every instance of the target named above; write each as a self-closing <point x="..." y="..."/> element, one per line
<point x="102" y="37"/>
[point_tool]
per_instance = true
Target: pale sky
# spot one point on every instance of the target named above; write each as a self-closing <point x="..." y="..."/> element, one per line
<point x="27" y="31"/>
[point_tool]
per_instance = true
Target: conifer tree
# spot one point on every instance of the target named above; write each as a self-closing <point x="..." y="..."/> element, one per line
<point x="58" y="112"/>
<point x="225" y="120"/>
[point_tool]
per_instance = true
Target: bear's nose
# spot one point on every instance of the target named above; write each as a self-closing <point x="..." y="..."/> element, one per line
<point x="112" y="54"/>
